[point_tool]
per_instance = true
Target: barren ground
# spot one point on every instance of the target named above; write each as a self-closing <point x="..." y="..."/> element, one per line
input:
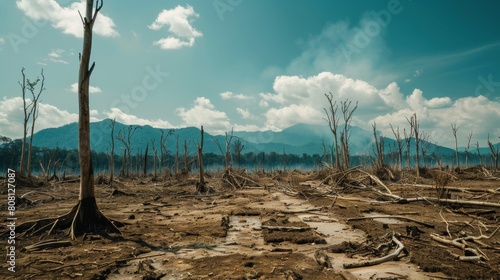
<point x="271" y="228"/>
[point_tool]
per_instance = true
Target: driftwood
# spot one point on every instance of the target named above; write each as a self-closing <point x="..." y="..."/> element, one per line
<point x="392" y="217"/>
<point x="456" y="189"/>
<point x="449" y="201"/>
<point x="393" y="255"/>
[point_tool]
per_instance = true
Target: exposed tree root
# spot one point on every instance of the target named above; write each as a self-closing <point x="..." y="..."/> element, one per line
<point x="83" y="218"/>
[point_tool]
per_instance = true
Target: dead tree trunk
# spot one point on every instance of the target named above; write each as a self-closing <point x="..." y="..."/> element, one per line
<point x="333" y="123"/>
<point x="415" y="127"/>
<point x="112" y="152"/>
<point x="494" y="154"/>
<point x="347" y="112"/>
<point x="379" y="145"/>
<point x="25" y="122"/>
<point x="155" y="153"/>
<point x="469" y="137"/>
<point x="399" y="143"/>
<point x="34" y="116"/>
<point x="85" y="216"/>
<point x="145" y="171"/>
<point x="200" y="186"/>
<point x="454" y="129"/>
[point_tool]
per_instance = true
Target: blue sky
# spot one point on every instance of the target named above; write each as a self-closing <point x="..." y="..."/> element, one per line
<point x="260" y="64"/>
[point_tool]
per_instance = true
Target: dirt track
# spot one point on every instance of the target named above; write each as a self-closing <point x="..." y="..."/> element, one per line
<point x="272" y="230"/>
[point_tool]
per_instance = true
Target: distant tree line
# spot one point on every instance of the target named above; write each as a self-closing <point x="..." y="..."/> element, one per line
<point x="65" y="160"/>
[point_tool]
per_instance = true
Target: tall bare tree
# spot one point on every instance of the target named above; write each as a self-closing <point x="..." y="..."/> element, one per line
<point x="469" y="137"/>
<point x="200" y="185"/>
<point x="399" y="143"/>
<point x="415" y="127"/>
<point x="454" y="129"/>
<point x="238" y="147"/>
<point x="27" y="114"/>
<point x="379" y="148"/>
<point x="145" y="171"/>
<point x="333" y="120"/>
<point x="126" y="139"/>
<point x="424" y="146"/>
<point x="34" y="115"/>
<point x="408" y="136"/>
<point x="494" y="153"/>
<point x="85" y="216"/>
<point x="347" y="112"/>
<point x="88" y="218"/>
<point x="112" y="152"/>
<point x="163" y="145"/>
<point x="155" y="154"/>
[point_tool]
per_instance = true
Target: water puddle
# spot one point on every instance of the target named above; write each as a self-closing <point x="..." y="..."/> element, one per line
<point x="244" y="236"/>
<point x="333" y="231"/>
<point x="388" y="221"/>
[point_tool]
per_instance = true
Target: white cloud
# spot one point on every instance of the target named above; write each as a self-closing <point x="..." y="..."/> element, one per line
<point x="56" y="55"/>
<point x="472" y="114"/>
<point x="245" y="114"/>
<point x="2" y="40"/>
<point x="203" y="112"/>
<point x="278" y="119"/>
<point x="12" y="116"/>
<point x="181" y="32"/>
<point x="127" y="119"/>
<point x="229" y="95"/>
<point x="301" y="99"/>
<point x="92" y="89"/>
<point x="66" y="18"/>
<point x="417" y="73"/>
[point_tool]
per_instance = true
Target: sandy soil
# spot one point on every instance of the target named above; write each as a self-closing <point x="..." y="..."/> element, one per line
<point x="278" y="226"/>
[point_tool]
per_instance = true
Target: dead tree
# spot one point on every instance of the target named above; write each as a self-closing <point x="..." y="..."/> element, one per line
<point x="408" y="146"/>
<point x="399" y="143"/>
<point x="415" y="127"/>
<point x="347" y="112"/>
<point x="227" y="152"/>
<point x="333" y="122"/>
<point x="424" y="147"/>
<point x="85" y="217"/>
<point x="163" y="146"/>
<point x="479" y="153"/>
<point x="200" y="186"/>
<point x="469" y="137"/>
<point x="454" y="129"/>
<point x="284" y="160"/>
<point x="34" y="115"/>
<point x="155" y="154"/>
<point x="112" y="152"/>
<point x="145" y="171"/>
<point x="238" y="147"/>
<point x="176" y="159"/>
<point x="27" y="114"/>
<point x="379" y="148"/>
<point x="126" y="139"/>
<point x="494" y="153"/>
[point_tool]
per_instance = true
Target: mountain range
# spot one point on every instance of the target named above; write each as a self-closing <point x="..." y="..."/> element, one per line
<point x="297" y="139"/>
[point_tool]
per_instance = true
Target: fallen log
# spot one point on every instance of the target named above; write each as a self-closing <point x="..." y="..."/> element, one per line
<point x="389" y="257"/>
<point x="449" y="201"/>
<point x="456" y="189"/>
<point x="447" y="241"/>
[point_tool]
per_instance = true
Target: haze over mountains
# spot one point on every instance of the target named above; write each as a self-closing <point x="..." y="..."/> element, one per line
<point x="297" y="139"/>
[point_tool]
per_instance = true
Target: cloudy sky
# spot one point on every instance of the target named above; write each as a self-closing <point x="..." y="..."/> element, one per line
<point x="260" y="64"/>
